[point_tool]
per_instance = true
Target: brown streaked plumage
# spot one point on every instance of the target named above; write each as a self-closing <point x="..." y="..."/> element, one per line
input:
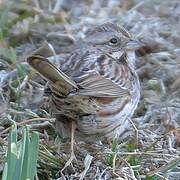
<point x="96" y="87"/>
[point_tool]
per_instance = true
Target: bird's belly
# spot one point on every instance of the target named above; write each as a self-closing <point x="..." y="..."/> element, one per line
<point x="94" y="119"/>
<point x="107" y="118"/>
<point x="110" y="121"/>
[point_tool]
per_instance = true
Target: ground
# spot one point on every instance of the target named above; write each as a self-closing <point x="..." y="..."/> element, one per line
<point x="152" y="151"/>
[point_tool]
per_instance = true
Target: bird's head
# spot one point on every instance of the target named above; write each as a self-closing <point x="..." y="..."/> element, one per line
<point x="111" y="39"/>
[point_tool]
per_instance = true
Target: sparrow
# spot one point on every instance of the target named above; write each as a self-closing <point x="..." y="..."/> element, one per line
<point x="96" y="89"/>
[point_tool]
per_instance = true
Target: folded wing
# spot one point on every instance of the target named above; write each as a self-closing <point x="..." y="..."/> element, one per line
<point x="90" y="83"/>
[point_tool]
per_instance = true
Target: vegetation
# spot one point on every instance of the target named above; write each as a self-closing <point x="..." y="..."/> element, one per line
<point x="30" y="148"/>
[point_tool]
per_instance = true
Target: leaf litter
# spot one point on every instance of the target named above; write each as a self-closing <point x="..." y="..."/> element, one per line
<point x="151" y="147"/>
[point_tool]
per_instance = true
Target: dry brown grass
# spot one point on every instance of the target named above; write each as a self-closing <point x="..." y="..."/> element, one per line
<point x="152" y="150"/>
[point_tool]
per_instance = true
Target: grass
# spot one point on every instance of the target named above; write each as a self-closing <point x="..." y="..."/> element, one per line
<point x="29" y="145"/>
<point x="21" y="160"/>
<point x="111" y="157"/>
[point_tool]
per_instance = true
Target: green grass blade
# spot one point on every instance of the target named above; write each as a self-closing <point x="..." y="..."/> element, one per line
<point x="12" y="154"/>
<point x="5" y="172"/>
<point x="22" y="155"/>
<point x="25" y="150"/>
<point x="33" y="155"/>
<point x="21" y="161"/>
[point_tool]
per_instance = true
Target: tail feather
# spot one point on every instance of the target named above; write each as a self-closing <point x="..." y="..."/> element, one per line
<point x="56" y="78"/>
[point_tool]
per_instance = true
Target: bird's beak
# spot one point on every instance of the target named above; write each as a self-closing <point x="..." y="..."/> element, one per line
<point x="133" y="44"/>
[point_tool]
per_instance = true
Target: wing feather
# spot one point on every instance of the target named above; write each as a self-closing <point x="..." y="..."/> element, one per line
<point x="99" y="80"/>
<point x="92" y="79"/>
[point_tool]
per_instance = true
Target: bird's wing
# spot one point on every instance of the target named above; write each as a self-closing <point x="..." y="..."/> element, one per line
<point x="98" y="86"/>
<point x="107" y="78"/>
<point x="59" y="80"/>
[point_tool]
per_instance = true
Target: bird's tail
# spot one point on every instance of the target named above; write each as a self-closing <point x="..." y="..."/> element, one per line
<point x="58" y="80"/>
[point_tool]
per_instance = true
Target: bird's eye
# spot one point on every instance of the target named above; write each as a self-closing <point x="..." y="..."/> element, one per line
<point x="113" y="41"/>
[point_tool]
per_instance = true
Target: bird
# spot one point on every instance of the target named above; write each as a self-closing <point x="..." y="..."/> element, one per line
<point x="96" y="89"/>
